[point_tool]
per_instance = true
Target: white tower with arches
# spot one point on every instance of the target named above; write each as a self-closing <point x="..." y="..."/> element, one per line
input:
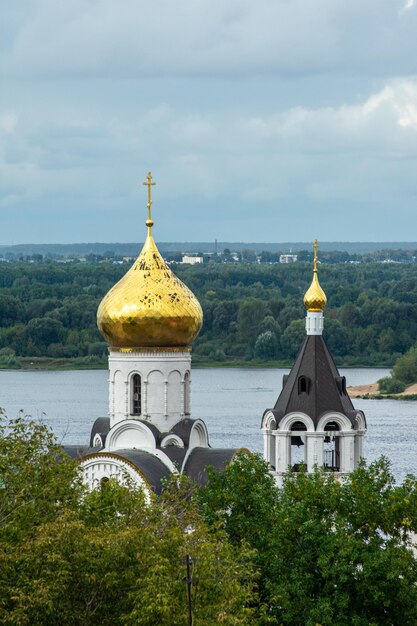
<point x="149" y="319"/>
<point x="313" y="421"/>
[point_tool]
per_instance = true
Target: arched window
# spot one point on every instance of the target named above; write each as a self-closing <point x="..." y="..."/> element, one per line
<point x="136" y="395"/>
<point x="331" y="449"/>
<point x="187" y="393"/>
<point x="303" y="384"/>
<point x="298" y="448"/>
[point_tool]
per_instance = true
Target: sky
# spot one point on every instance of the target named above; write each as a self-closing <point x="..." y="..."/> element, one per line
<point x="267" y="121"/>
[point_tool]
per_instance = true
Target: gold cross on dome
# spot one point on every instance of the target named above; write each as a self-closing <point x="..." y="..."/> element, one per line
<point x="315" y="246"/>
<point x="149" y="183"/>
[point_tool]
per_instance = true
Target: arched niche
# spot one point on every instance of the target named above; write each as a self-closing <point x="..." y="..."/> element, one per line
<point x="156" y="393"/>
<point x="187" y="403"/>
<point x="172" y="440"/>
<point x="174" y="393"/>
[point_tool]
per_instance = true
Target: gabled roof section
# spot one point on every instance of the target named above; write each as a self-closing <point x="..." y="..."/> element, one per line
<point x="314" y="385"/>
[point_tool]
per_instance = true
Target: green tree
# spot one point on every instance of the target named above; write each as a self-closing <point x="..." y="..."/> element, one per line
<point x="45" y="330"/>
<point x="405" y="368"/>
<point x="103" y="558"/>
<point x="251" y="313"/>
<point x="266" y="346"/>
<point x="329" y="552"/>
<point x="11" y="310"/>
<point x="292" y="338"/>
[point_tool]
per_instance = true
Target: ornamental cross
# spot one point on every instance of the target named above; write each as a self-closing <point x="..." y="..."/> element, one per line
<point x="149" y="185"/>
<point x="315" y="246"/>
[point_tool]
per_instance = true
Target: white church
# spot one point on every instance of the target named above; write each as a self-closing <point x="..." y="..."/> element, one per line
<point x="149" y="320"/>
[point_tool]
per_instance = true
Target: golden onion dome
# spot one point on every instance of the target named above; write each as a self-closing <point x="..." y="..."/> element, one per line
<point x="149" y="306"/>
<point x="315" y="299"/>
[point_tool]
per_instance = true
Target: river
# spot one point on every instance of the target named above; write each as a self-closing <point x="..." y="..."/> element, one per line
<point x="230" y="401"/>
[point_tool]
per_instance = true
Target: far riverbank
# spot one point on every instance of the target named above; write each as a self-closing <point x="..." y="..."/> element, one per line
<point x="100" y="363"/>
<point x="372" y="392"/>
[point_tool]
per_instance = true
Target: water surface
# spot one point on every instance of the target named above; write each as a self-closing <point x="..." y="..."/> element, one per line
<point x="230" y="401"/>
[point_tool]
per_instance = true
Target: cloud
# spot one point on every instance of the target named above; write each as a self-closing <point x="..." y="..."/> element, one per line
<point x="211" y="164"/>
<point x="106" y="39"/>
<point x="409" y="4"/>
<point x="8" y="123"/>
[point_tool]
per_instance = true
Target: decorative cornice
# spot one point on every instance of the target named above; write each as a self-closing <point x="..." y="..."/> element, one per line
<point x="150" y="350"/>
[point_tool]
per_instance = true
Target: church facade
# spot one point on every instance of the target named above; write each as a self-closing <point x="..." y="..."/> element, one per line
<point x="149" y="320"/>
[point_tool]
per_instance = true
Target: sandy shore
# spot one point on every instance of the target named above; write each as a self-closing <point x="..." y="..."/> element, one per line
<point x="373" y="390"/>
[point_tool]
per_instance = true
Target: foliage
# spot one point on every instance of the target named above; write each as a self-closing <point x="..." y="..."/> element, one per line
<point x="405" y="368"/>
<point x="329" y="552"/>
<point x="266" y="346"/>
<point x="104" y="558"/>
<point x="391" y="385"/>
<point x="404" y="373"/>
<point x="49" y="309"/>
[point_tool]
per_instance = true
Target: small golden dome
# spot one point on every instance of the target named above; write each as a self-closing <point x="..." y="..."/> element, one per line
<point x="315" y="299"/>
<point x="149" y="306"/>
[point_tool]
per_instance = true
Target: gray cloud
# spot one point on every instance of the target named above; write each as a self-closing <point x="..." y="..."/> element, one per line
<point x="210" y="164"/>
<point x="212" y="37"/>
<point x="270" y="121"/>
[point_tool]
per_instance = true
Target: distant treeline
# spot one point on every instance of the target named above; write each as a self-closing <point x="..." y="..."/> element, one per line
<point x="251" y="312"/>
<point x="133" y="248"/>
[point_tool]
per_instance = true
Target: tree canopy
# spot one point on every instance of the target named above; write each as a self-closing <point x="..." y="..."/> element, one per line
<point x="329" y="552"/>
<point x="318" y="551"/>
<point x="68" y="557"/>
<point x="49" y="310"/>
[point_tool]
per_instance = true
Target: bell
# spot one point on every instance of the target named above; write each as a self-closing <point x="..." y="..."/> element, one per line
<point x="327" y="439"/>
<point x="297" y="441"/>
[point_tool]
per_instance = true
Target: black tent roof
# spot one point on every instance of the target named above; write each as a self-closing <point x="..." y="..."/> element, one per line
<point x="314" y="385"/>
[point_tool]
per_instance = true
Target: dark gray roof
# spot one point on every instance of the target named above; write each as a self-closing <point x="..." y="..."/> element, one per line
<point x="149" y="465"/>
<point x="326" y="389"/>
<point x="78" y="452"/>
<point x="183" y="429"/>
<point x="101" y="427"/>
<point x="175" y="454"/>
<point x="201" y="458"/>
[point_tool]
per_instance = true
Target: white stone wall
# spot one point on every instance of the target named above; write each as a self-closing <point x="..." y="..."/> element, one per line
<point x="165" y="385"/>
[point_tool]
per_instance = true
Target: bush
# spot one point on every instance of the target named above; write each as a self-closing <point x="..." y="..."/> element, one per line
<point x="266" y="346"/>
<point x="406" y="367"/>
<point x="391" y="385"/>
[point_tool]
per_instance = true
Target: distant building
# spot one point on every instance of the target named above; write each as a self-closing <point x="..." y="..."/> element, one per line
<point x="192" y="260"/>
<point x="288" y="258"/>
